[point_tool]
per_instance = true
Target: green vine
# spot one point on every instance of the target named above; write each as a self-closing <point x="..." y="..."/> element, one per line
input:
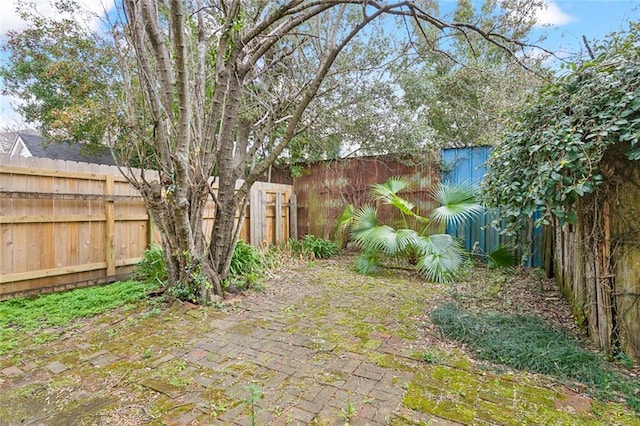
<point x="553" y="150"/>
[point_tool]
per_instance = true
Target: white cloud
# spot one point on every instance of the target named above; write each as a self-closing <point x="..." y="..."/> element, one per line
<point x="9" y="19"/>
<point x="551" y="14"/>
<point x="9" y="118"/>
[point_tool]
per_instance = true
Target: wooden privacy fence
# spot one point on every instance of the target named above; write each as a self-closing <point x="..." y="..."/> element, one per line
<point x="596" y="263"/>
<point x="67" y="224"/>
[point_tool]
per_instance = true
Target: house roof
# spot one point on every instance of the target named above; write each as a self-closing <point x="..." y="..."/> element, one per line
<point x="40" y="147"/>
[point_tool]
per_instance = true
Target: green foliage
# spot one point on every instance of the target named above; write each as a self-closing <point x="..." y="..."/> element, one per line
<point x="246" y="270"/>
<point x="430" y="357"/>
<point x="246" y="259"/>
<point x="314" y="247"/>
<point x="438" y="257"/>
<point x="26" y="316"/>
<point x="470" y="100"/>
<point x="151" y="268"/>
<point x="529" y="343"/>
<point x="502" y="257"/>
<point x="555" y="145"/>
<point x="59" y="72"/>
<point x="189" y="291"/>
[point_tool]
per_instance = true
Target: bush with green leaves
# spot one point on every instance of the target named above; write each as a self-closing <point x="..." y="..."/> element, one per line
<point x="245" y="270"/>
<point x="151" y="268"/>
<point x="246" y="259"/>
<point x="561" y="144"/>
<point x="314" y="247"/>
<point x="439" y="257"/>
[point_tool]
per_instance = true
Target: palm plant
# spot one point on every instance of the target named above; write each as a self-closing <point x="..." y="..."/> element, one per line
<point x="437" y="256"/>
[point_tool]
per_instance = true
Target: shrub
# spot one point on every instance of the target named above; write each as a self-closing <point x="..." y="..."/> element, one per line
<point x="438" y="257"/>
<point x="152" y="267"/>
<point x="246" y="259"/>
<point x="312" y="246"/>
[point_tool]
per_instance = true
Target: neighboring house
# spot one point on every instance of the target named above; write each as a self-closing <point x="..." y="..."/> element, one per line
<point x="27" y="145"/>
<point x="7" y="138"/>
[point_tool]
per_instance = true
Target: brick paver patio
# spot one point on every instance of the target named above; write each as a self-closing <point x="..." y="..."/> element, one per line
<point x="335" y="348"/>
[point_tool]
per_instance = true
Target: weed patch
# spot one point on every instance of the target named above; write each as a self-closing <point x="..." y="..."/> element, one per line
<point x="23" y="316"/>
<point x="528" y="343"/>
<point x="314" y="247"/>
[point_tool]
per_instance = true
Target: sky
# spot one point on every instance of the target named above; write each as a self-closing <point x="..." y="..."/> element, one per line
<point x="563" y="22"/>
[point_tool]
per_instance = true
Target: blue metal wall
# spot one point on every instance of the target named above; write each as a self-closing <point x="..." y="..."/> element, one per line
<point x="467" y="165"/>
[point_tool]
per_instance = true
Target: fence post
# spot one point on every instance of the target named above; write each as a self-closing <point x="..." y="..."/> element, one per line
<point x="109" y="210"/>
<point x="278" y="217"/>
<point x="293" y="217"/>
<point x="257" y="216"/>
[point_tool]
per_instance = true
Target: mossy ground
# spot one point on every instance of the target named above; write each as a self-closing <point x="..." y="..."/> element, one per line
<point x="299" y="343"/>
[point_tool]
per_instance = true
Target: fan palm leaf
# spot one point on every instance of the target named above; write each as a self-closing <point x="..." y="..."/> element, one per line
<point x="392" y="186"/>
<point x="458" y="203"/>
<point x="443" y="262"/>
<point x="387" y="193"/>
<point x="436" y="243"/>
<point x="368" y="262"/>
<point x="346" y="219"/>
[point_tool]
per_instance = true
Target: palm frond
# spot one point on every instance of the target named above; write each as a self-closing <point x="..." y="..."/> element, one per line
<point x="458" y="203"/>
<point x="366" y="217"/>
<point x="441" y="267"/>
<point x="502" y="257"/>
<point x="368" y="262"/>
<point x="392" y="186"/>
<point x="406" y="238"/>
<point x="346" y="219"/>
<point x="441" y="257"/>
<point x="436" y="243"/>
<point x="381" y="238"/>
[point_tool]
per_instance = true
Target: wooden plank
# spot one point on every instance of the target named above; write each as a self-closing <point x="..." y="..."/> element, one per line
<point x="293" y="217"/>
<point x="56" y="219"/>
<point x="278" y="218"/>
<point x="22" y="276"/>
<point x="257" y="213"/>
<point x="20" y="170"/>
<point x="109" y="209"/>
<point x="35" y="244"/>
<point x="64" y="196"/>
<point x="128" y="262"/>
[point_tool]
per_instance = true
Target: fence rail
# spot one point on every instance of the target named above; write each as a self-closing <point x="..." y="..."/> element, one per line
<point x="66" y="224"/>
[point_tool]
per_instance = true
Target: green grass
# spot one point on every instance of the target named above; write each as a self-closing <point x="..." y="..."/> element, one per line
<point x="29" y="316"/>
<point x="528" y="343"/>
